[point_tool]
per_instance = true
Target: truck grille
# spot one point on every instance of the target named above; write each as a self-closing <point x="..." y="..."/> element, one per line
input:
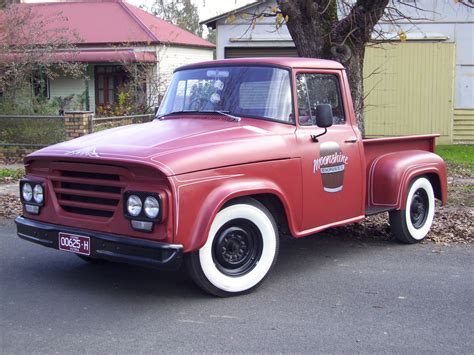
<point x="88" y="189"/>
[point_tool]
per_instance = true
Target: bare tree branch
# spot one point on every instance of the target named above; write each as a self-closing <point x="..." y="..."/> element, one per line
<point x="32" y="44"/>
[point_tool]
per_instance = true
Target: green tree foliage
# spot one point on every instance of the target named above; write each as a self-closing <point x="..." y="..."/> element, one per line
<point x="212" y="36"/>
<point x="182" y="13"/>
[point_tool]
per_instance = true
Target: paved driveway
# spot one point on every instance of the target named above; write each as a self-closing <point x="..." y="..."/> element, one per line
<point x="325" y="295"/>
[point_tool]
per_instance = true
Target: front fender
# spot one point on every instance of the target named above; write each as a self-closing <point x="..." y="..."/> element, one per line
<point x="390" y="176"/>
<point x="218" y="198"/>
<point x="198" y="196"/>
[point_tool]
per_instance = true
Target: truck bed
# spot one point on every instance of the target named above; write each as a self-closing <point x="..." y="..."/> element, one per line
<point x="375" y="147"/>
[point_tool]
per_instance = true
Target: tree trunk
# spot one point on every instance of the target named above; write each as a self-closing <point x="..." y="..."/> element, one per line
<point x="355" y="71"/>
<point x="319" y="33"/>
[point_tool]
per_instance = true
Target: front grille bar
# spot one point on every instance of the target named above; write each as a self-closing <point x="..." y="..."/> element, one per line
<point x="99" y="182"/>
<point x="89" y="189"/>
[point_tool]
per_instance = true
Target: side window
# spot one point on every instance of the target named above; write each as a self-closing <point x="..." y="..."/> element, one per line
<point x="315" y="89"/>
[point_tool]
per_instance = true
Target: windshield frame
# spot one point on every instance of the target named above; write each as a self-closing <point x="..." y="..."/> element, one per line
<point x="210" y="66"/>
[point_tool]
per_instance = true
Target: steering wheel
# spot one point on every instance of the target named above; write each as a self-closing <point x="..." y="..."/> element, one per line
<point x="198" y="103"/>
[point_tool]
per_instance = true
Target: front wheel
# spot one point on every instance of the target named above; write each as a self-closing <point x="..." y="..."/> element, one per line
<point x="241" y="249"/>
<point x="412" y="224"/>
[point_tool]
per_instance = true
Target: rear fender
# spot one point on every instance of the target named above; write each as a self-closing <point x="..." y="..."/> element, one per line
<point x="389" y="177"/>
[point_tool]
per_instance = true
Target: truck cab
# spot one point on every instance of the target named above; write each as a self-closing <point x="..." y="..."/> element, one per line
<point x="240" y="152"/>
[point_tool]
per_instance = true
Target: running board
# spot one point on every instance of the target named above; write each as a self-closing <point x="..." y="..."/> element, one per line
<point x="376" y="210"/>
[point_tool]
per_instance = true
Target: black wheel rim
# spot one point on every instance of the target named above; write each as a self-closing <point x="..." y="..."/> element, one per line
<point x="419" y="208"/>
<point x="237" y="247"/>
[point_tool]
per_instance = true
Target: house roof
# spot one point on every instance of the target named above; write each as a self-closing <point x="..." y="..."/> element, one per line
<point x="115" y="22"/>
<point x="211" y="22"/>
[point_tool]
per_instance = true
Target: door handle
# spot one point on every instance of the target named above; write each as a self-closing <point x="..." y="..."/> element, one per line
<point x="351" y="140"/>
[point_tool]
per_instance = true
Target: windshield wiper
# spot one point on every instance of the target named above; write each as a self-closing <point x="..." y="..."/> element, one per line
<point x="224" y="113"/>
<point x="235" y="118"/>
<point x="159" y="117"/>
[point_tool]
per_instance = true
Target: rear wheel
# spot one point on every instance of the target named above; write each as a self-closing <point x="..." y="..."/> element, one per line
<point x="241" y="249"/>
<point x="412" y="224"/>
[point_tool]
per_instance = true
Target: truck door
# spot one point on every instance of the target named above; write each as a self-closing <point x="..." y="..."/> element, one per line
<point x="333" y="184"/>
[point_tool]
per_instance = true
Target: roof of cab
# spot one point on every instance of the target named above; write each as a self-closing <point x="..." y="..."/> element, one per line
<point x="289" y="62"/>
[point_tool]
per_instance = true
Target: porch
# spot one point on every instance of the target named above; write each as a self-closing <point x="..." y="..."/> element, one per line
<point x="106" y="88"/>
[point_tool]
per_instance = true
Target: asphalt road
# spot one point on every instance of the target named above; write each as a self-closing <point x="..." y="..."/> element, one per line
<point x="325" y="295"/>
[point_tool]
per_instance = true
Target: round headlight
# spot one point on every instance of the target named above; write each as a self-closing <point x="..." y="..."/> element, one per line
<point x="134" y="205"/>
<point x="152" y="207"/>
<point x="38" y="193"/>
<point x="27" y="192"/>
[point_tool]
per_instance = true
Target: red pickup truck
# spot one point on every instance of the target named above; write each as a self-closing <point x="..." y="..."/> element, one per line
<point x="241" y="151"/>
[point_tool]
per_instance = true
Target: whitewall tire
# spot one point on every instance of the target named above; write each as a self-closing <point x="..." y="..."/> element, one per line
<point x="412" y="224"/>
<point x="241" y="248"/>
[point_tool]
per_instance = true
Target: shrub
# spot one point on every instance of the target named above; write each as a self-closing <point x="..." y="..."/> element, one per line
<point x="44" y="131"/>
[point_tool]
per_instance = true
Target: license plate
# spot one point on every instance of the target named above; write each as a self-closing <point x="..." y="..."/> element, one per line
<point x="74" y="243"/>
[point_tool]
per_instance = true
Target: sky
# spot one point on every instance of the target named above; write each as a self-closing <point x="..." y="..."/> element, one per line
<point x="211" y="8"/>
<point x="206" y="8"/>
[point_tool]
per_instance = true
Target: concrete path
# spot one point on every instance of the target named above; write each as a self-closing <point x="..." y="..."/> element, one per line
<point x="11" y="166"/>
<point x="10" y="189"/>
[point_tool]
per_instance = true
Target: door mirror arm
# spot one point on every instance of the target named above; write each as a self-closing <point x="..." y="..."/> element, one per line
<point x="314" y="137"/>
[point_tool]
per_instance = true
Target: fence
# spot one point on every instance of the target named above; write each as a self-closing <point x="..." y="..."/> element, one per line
<point x="20" y="135"/>
<point x="101" y="123"/>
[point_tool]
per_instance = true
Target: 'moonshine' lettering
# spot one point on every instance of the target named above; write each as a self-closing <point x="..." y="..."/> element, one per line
<point x="336" y="158"/>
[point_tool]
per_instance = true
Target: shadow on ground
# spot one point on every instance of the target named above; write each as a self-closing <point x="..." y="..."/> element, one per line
<point x="64" y="271"/>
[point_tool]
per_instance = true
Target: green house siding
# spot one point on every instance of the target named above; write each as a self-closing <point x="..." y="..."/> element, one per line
<point x="409" y="89"/>
<point x="64" y="86"/>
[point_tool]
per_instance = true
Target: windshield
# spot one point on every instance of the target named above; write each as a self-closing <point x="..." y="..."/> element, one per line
<point x="261" y="92"/>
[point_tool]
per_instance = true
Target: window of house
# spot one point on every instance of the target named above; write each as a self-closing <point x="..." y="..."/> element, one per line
<point x="40" y="84"/>
<point x="315" y="89"/>
<point x="110" y="81"/>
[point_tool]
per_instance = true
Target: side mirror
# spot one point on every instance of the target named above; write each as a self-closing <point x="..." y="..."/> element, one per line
<point x="324" y="115"/>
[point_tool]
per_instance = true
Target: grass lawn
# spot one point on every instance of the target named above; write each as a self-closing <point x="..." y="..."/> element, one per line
<point x="11" y="175"/>
<point x="458" y="155"/>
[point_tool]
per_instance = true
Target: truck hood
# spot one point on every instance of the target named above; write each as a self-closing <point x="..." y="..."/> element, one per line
<point x="182" y="144"/>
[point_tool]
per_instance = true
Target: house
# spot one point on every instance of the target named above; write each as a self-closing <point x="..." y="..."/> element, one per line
<point x="111" y="34"/>
<point x="236" y="39"/>
<point x="425" y="84"/>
